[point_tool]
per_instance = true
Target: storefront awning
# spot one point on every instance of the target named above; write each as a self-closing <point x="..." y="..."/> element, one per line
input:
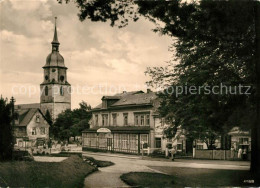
<point x="103" y="130"/>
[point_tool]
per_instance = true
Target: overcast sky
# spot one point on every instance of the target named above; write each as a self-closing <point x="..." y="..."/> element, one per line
<point x="96" y="54"/>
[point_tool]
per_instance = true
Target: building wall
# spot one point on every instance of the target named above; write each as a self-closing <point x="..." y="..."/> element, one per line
<point x="42" y="123"/>
<point x="120" y="117"/>
<point x="55" y="102"/>
<point x="155" y="122"/>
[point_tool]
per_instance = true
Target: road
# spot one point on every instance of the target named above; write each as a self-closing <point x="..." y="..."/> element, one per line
<point x="110" y="176"/>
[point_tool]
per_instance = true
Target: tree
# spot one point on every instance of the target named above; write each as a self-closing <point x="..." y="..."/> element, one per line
<point x="72" y="122"/>
<point x="214" y="42"/>
<point x="6" y="136"/>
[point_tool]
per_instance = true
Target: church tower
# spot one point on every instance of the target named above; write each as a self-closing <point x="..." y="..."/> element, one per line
<point x="55" y="89"/>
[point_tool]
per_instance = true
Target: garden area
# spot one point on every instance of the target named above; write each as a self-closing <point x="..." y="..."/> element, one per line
<point x="69" y="173"/>
<point x="188" y="177"/>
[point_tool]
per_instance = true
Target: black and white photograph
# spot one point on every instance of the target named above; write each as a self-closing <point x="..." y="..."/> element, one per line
<point x="129" y="93"/>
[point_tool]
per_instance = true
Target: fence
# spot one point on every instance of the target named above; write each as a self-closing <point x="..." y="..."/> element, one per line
<point x="218" y="154"/>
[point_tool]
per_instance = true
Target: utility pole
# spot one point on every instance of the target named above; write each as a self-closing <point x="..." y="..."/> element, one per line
<point x="12" y="106"/>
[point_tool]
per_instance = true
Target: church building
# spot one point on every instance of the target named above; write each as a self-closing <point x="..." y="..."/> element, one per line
<point x="55" y="97"/>
<point x="55" y="89"/>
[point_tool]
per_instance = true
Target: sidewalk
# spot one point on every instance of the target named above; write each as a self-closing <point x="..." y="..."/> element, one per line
<point x="192" y="161"/>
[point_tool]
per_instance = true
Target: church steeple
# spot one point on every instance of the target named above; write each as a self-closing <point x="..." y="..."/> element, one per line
<point x="55" y="43"/>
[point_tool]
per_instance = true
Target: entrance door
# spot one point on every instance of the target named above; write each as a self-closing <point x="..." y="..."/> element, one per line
<point x="189" y="148"/>
<point x="109" y="144"/>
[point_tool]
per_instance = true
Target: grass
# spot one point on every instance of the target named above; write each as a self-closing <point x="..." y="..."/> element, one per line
<point x="68" y="173"/>
<point x="148" y="179"/>
<point x="100" y="163"/>
<point x="188" y="177"/>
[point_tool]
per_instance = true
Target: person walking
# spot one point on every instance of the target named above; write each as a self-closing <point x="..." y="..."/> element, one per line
<point x="239" y="155"/>
<point x="173" y="151"/>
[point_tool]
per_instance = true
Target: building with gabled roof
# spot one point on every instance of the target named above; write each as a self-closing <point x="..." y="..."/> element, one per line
<point x="125" y="122"/>
<point x="31" y="127"/>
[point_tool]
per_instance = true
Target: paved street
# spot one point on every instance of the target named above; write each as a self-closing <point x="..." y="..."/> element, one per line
<point x="109" y="176"/>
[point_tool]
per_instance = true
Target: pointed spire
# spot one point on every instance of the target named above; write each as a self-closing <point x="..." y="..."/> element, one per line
<point x="55" y="37"/>
<point x="55" y="43"/>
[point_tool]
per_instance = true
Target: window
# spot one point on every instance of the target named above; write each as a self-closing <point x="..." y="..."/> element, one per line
<point x="158" y="142"/>
<point x="114" y="119"/>
<point x="38" y="119"/>
<point x="243" y="141"/>
<point x="162" y="121"/>
<point x="144" y="140"/>
<point x="42" y="130"/>
<point x="96" y="120"/>
<point x="147" y="121"/>
<point x="62" y="78"/>
<point x="61" y="91"/>
<point x="124" y="138"/>
<point x="125" y="119"/>
<point x="46" y="90"/>
<point x="116" y="140"/>
<point x="34" y="131"/>
<point x="199" y="146"/>
<point x="179" y="147"/>
<point x="46" y="77"/>
<point x="142" y="119"/>
<point x="136" y="120"/>
<point x="104" y="119"/>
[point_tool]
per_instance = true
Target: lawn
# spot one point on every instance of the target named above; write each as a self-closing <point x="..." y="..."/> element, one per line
<point x="68" y="173"/>
<point x="189" y="177"/>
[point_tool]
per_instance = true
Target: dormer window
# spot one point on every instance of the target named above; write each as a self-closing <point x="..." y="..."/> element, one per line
<point x="38" y="119"/>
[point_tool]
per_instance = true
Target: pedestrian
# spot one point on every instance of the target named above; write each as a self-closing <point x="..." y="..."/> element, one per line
<point x="232" y="153"/>
<point x="173" y="151"/>
<point x="244" y="154"/>
<point x="239" y="155"/>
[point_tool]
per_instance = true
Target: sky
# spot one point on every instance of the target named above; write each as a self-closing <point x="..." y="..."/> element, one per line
<point x="101" y="60"/>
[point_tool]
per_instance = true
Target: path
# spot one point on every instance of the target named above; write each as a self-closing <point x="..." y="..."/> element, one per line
<point x="110" y="176"/>
<point x="48" y="159"/>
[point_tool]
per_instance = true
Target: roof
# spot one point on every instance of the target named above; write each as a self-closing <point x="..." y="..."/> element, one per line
<point x="121" y="129"/>
<point x="111" y="97"/>
<point x="25" y="115"/>
<point x="27" y="106"/>
<point x="129" y="99"/>
<point x="54" y="59"/>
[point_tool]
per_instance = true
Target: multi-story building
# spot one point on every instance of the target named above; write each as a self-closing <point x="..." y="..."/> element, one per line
<point x="126" y="122"/>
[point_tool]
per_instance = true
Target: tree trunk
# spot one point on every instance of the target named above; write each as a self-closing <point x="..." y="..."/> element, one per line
<point x="255" y="131"/>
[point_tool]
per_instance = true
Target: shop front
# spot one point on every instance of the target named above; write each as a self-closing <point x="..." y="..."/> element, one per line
<point x="117" y="139"/>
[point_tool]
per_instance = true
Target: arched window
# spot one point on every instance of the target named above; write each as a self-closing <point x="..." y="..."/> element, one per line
<point x="46" y="90"/>
<point x="61" y="91"/>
